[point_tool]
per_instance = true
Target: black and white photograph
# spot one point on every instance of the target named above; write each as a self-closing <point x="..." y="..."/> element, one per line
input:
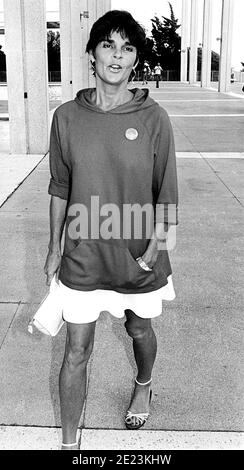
<point x="121" y="229"/>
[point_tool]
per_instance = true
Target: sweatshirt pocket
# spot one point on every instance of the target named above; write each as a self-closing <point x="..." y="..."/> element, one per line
<point x="96" y="263"/>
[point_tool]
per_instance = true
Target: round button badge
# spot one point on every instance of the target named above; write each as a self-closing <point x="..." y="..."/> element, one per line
<point x="131" y="134"/>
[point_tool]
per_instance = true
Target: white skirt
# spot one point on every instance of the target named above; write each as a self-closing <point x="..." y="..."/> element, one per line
<point x="86" y="306"/>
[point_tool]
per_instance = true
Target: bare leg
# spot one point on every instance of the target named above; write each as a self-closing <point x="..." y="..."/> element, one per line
<point x="73" y="377"/>
<point x="145" y="350"/>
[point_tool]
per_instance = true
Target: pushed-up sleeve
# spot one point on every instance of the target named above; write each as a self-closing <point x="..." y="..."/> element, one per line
<point x="165" y="185"/>
<point x="60" y="177"/>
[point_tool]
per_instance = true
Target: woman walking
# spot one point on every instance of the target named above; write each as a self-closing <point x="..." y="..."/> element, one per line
<point x="158" y="73"/>
<point x="111" y="149"/>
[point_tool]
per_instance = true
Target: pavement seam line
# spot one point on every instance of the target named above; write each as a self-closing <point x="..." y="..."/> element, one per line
<point x="3" y="425"/>
<point x="206" y="160"/>
<point x="10" y="324"/>
<point x="20" y="184"/>
<point x="125" y="430"/>
<point x="168" y="430"/>
<point x="187" y="138"/>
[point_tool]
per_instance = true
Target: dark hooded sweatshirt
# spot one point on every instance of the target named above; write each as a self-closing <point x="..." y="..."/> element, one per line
<point x="122" y="156"/>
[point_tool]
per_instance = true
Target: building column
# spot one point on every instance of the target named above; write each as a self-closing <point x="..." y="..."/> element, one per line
<point x="94" y="13"/>
<point x="70" y="45"/>
<point x="76" y="20"/>
<point x="207" y="42"/>
<point x="193" y="42"/>
<point x="85" y="7"/>
<point x="106" y="5"/>
<point x="100" y="8"/>
<point x="27" y="75"/>
<point x="226" y="45"/>
<point x="184" y="39"/>
<point x="95" y="8"/>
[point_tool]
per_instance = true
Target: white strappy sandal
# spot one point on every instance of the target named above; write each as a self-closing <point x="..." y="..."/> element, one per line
<point x="137" y="420"/>
<point x="70" y="445"/>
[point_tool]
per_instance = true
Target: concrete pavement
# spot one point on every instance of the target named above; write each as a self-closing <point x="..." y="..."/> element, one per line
<point x="198" y="375"/>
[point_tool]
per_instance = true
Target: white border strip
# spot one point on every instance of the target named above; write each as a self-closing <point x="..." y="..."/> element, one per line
<point x="231" y="93"/>
<point x="226" y="100"/>
<point x="239" y="155"/>
<point x="205" y="115"/>
<point x="228" y="93"/>
<point x="164" y="90"/>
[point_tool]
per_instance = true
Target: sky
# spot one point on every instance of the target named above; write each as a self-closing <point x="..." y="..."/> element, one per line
<point x="143" y="10"/>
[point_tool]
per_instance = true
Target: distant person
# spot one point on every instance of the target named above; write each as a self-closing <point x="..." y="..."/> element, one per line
<point x="145" y="72"/>
<point x="158" y="73"/>
<point x="243" y="88"/>
<point x="2" y="60"/>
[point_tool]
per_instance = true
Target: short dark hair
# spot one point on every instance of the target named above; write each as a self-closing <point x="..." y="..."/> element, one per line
<point x="119" y="21"/>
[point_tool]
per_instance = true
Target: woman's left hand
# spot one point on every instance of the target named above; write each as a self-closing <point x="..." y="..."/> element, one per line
<point x="150" y="257"/>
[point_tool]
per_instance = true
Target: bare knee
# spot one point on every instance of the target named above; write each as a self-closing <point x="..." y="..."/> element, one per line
<point x="77" y="355"/>
<point x="136" y="330"/>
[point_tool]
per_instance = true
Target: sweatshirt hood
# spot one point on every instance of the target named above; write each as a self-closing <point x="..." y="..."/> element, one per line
<point x="140" y="100"/>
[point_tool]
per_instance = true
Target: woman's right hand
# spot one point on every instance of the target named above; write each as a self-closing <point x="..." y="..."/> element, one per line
<point x="52" y="264"/>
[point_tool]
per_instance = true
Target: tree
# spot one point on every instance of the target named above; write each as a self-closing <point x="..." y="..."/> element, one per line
<point x="167" y="42"/>
<point x="147" y="54"/>
<point x="53" y="50"/>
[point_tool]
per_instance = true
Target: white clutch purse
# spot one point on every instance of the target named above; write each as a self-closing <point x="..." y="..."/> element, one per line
<point x="49" y="317"/>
